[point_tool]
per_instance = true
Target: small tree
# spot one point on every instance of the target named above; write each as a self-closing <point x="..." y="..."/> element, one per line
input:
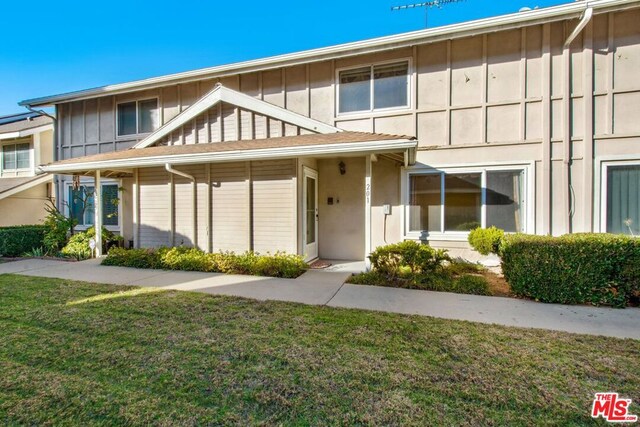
<point x="59" y="227"/>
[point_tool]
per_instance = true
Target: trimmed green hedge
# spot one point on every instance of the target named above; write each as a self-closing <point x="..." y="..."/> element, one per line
<point x="573" y="269"/>
<point x="15" y="241"/>
<point x="191" y="259"/>
<point x="486" y="240"/>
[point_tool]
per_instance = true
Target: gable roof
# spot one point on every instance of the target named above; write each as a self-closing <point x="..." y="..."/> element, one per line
<point x="448" y="32"/>
<point x="223" y="94"/>
<point x="23" y="124"/>
<point x="337" y="143"/>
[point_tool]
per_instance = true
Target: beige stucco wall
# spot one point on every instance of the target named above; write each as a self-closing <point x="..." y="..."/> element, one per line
<point x="341" y="225"/>
<point x="26" y="207"/>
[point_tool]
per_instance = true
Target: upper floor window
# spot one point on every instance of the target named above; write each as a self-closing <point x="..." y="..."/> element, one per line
<point x="374" y="87"/>
<point x="16" y="156"/>
<point x="137" y="117"/>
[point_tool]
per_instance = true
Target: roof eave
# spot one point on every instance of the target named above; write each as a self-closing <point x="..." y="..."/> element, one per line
<point x="364" y="147"/>
<point x="463" y="29"/>
<point x="25" y="186"/>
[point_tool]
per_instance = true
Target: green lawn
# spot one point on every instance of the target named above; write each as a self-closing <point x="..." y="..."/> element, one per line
<point x="78" y="353"/>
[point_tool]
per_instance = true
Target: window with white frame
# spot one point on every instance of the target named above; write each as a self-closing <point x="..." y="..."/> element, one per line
<point x="81" y="204"/>
<point x="445" y="202"/>
<point x="375" y="87"/>
<point x="137" y="117"/>
<point x="623" y="199"/>
<point x="16" y="156"/>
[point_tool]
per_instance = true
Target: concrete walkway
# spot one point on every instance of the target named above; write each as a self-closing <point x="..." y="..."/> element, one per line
<point x="319" y="287"/>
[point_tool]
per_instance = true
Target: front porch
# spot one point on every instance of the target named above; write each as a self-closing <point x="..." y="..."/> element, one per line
<point x="321" y="196"/>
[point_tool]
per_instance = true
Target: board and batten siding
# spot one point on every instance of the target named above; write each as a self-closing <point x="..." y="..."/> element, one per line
<point x="516" y="95"/>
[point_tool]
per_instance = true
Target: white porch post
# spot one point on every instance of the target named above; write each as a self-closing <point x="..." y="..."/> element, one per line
<point x="97" y="209"/>
<point x="367" y="210"/>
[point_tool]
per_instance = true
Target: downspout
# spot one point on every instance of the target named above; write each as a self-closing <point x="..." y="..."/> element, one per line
<point x="170" y="169"/>
<point x="568" y="195"/>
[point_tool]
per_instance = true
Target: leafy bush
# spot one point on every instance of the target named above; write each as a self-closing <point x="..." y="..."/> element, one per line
<point x="15" y="241"/>
<point x="412" y="265"/>
<point x="187" y="259"/>
<point x="191" y="259"/>
<point x="441" y="281"/>
<point x="469" y="284"/>
<point x="58" y="228"/>
<point x="573" y="269"/>
<point x="407" y="257"/>
<point x="78" y="245"/>
<point x="486" y="240"/>
<point x="137" y="258"/>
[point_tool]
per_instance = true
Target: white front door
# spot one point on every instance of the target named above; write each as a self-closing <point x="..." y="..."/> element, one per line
<point x="310" y="217"/>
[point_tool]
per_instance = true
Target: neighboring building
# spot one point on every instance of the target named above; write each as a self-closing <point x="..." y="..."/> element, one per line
<point x="27" y="141"/>
<point x="528" y="121"/>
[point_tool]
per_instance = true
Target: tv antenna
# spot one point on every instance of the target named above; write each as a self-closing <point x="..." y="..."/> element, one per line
<point x="427" y="5"/>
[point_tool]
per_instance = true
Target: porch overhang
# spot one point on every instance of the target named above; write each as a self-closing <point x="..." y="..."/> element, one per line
<point x="316" y="145"/>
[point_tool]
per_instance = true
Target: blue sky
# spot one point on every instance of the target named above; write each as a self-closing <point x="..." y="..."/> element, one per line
<point x="52" y="47"/>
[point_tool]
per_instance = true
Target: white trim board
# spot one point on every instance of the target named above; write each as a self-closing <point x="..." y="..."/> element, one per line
<point x="364" y="147"/>
<point x="223" y="94"/>
<point x="26" y="132"/>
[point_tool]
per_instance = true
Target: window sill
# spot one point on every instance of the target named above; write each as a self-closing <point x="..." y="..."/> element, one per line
<point x="405" y="109"/>
<point x="451" y="236"/>
<point x="112" y="228"/>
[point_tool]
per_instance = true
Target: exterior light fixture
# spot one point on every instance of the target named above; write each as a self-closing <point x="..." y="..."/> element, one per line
<point x="342" y="167"/>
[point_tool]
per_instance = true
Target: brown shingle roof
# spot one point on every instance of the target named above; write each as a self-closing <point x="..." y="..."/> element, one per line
<point x="21" y="125"/>
<point x="247" y="145"/>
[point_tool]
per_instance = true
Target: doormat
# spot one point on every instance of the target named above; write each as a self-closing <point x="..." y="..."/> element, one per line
<point x="319" y="265"/>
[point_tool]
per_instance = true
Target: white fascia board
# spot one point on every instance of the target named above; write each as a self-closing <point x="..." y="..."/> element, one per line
<point x="26" y="132"/>
<point x="9" y="135"/>
<point x="224" y="94"/>
<point x="27" y="185"/>
<point x="448" y="32"/>
<point x="239" y="155"/>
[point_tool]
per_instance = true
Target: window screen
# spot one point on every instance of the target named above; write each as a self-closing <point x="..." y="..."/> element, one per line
<point x="355" y="90"/>
<point x="390" y="85"/>
<point x="127" y="119"/>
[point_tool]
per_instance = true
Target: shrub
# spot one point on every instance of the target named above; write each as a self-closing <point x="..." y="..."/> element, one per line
<point x="57" y="231"/>
<point x="573" y="269"/>
<point x="279" y="264"/>
<point x="406" y="257"/>
<point x="78" y="245"/>
<point x="469" y="284"/>
<point x="187" y="259"/>
<point x="486" y="240"/>
<point x="137" y="258"/>
<point x="15" y="241"/>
